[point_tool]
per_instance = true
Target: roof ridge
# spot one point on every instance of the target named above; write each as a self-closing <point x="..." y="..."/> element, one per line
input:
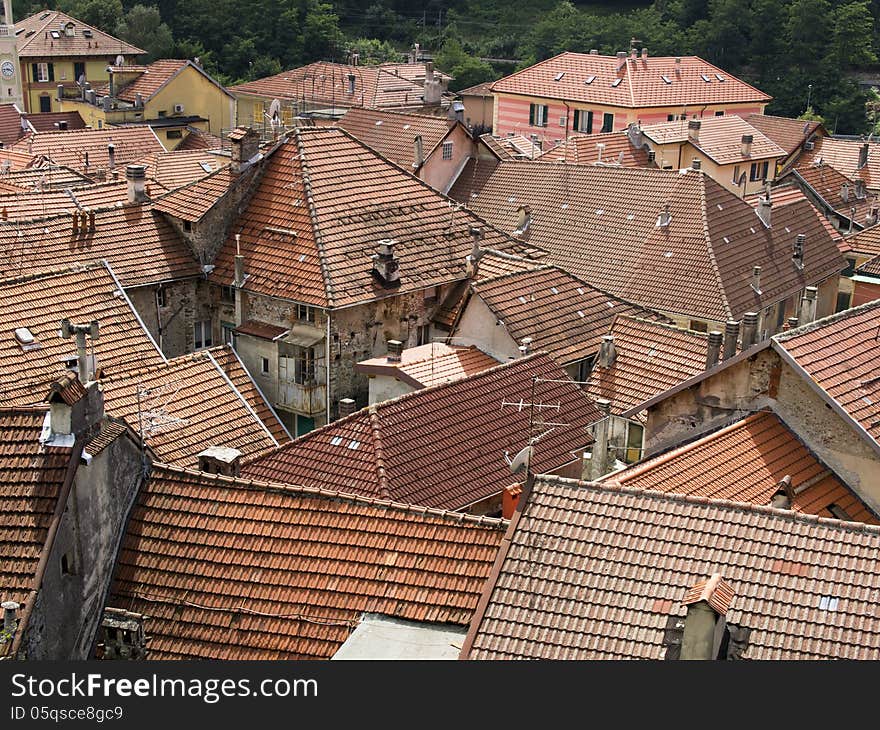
<point x="297" y="489"/>
<point x="704" y="215"/>
<point x="824" y="321"/>
<point x="379" y="452"/>
<point x="666" y="325"/>
<point x="74" y="268"/>
<point x="726" y="504"/>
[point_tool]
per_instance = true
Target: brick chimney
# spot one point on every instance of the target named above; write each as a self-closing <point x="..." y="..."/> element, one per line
<point x="694" y="130"/>
<point x="386" y="267"/>
<point x="245" y="147"/>
<point x="136" y="175"/>
<point x="731" y="333"/>
<point x="764" y="206"/>
<point x="863" y="155"/>
<point x="347" y="406"/>
<point x="220" y="460"/>
<point x="713" y="348"/>
<point x="749" y="329"/>
<point x="707" y="604"/>
<point x="601" y="429"/>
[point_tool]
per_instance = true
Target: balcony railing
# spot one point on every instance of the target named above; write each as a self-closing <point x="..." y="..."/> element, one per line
<point x="307" y="399"/>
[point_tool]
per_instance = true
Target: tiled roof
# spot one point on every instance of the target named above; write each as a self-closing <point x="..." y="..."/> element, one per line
<point x="412" y="72"/>
<point x="110" y="431"/>
<point x="745" y="462"/>
<point x="150" y="250"/>
<point x="10" y="124"/>
<point x="431" y="364"/>
<point x="562" y="314"/>
<point x="47" y="177"/>
<point x="613" y="564"/>
<point x="39" y="303"/>
<point x="651" y="357"/>
<point x="642" y="84"/>
<point x="35" y="39"/>
<point x="601" y="224"/>
<point x="787" y="193"/>
<point x="828" y="184"/>
<point x="843" y="156"/>
<point x="324" y="83"/>
<point x="229" y="569"/>
<point x="839" y="354"/>
<point x="319" y="211"/>
<point x="47" y="121"/>
<point x="191" y="202"/>
<point x="55" y="201"/>
<point x="186" y="406"/>
<point x="235" y="370"/>
<point x="31" y="476"/>
<point x="68" y="388"/>
<point x="871" y="267"/>
<point x="263" y="330"/>
<point x="172" y="170"/>
<point x="789" y="134"/>
<point x="442" y="446"/>
<point x="865" y="242"/>
<point x="150" y="80"/>
<point x="19" y="160"/>
<point x="720" y="138"/>
<point x="198" y="139"/>
<point x="582" y="149"/>
<point x="392" y="134"/>
<point x="512" y="147"/>
<point x="484" y="89"/>
<point x="69" y="148"/>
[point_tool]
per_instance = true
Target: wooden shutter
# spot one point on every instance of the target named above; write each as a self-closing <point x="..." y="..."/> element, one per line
<point x="577" y="118"/>
<point x="531" y="115"/>
<point x="589" y="122"/>
<point x="51" y="71"/>
<point x="546" y="116"/>
<point x="36" y="71"/>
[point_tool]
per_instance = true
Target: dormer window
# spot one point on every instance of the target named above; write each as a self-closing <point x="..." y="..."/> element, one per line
<point x="69" y="30"/>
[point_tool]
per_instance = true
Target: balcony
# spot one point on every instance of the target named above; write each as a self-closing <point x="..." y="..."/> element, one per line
<point x="306" y="399"/>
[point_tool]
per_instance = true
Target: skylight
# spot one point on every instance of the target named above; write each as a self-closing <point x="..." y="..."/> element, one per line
<point x="705" y="78"/>
<point x="590" y="79"/>
<point x="580" y="290"/>
<point x="56" y="34"/>
<point x="336" y="440"/>
<point x="554" y="290"/>
<point x="666" y="79"/>
<point x="581" y="314"/>
<point x="353" y="444"/>
<point x="719" y="77"/>
<point x="558" y="77"/>
<point x="206" y="166"/>
<point x="828" y="603"/>
<point x="616" y="82"/>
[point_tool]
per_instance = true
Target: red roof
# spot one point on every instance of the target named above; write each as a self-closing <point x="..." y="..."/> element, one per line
<point x="428" y="365"/>
<point x="865" y="242"/>
<point x="595" y="571"/>
<point x="71" y="148"/>
<point x="10" y="124"/>
<point x="234" y="569"/>
<point x="789" y="134"/>
<point x="745" y="462"/>
<point x="442" y="446"/>
<point x="583" y="149"/>
<point x="843" y="155"/>
<point x="828" y="185"/>
<point x="36" y="39"/>
<point x="641" y="84"/>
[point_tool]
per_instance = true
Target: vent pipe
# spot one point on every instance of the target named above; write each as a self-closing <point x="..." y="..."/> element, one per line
<point x="731" y="334"/>
<point x="713" y="348"/>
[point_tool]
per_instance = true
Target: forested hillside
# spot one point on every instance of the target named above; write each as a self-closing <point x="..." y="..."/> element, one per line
<point x="803" y="52"/>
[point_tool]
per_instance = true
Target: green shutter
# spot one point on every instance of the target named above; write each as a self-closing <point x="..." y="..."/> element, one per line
<point x="51" y="72"/>
<point x="544" y="122"/>
<point x="531" y="115"/>
<point x="36" y="71"/>
<point x="577" y="119"/>
<point x="589" y="122"/>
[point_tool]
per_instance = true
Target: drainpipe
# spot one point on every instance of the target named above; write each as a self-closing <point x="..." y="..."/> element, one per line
<point x="327" y="366"/>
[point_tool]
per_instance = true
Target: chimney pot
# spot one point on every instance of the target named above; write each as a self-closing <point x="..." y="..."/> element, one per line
<point x="111" y="154"/>
<point x="750" y="329"/>
<point x="9" y="618"/>
<point x="385" y="265"/>
<point x="220" y="460"/>
<point x="644" y="53"/>
<point x="607" y="352"/>
<point x="747" y="140"/>
<point x="792" y="323"/>
<point x="696" y="164"/>
<point x="347" y="406"/>
<point x="395" y="350"/>
<point x="731" y="333"/>
<point x="713" y="348"/>
<point x="756" y="279"/>
<point x="136" y="175"/>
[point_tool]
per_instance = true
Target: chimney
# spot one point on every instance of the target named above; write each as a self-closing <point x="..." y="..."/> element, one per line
<point x="10" y="622"/>
<point x="220" y="460"/>
<point x="860" y="189"/>
<point x="68" y="330"/>
<point x="599" y="458"/>
<point x="75" y="218"/>
<point x="808" y="305"/>
<point x="764" y="206"/>
<point x="525" y="346"/>
<point x="633" y="53"/>
<point x="665" y="217"/>
<point x="607" y="352"/>
<point x="750" y="329"/>
<point x="797" y="253"/>
<point x="621" y="60"/>
<point x="395" y="350"/>
<point x="385" y="266"/>
<point x="136" y="175"/>
<point x="863" y="155"/>
<point x="713" y="348"/>
<point x="678" y="67"/>
<point x="694" y="130"/>
<point x="756" y="279"/>
<point x="792" y="323"/>
<point x="523" y="220"/>
<point x="644" y="53"/>
<point x="74" y="408"/>
<point x="347" y="406"/>
<point x="418" y="152"/>
<point x="509" y="499"/>
<point x="707" y="603"/>
<point x="731" y="333"/>
<point x="111" y="154"/>
<point x="433" y="86"/>
<point x="844" y="192"/>
<point x="600" y="149"/>
<point x="872" y="217"/>
<point x="784" y="495"/>
<point x="245" y="146"/>
<point x="696" y="164"/>
<point x="351" y="78"/>
<point x="594" y="52"/>
<point x="747" y="140"/>
<point x="473" y="259"/>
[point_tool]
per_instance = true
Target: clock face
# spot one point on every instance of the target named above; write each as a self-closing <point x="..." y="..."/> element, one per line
<point x="7" y="69"/>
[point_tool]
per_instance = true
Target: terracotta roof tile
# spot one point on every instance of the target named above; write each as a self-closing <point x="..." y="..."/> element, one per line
<point x="198" y="139"/>
<point x="263" y="330"/>
<point x="616" y="562"/>
<point x="582" y="149"/>
<point x="412" y="72"/>
<point x="865" y="242"/>
<point x="843" y="156"/>
<point x="67" y="388"/>
<point x="716" y="591"/>
<point x="186" y="405"/>
<point x="193" y="201"/>
<point x="172" y="170"/>
<point x="745" y="462"/>
<point x="871" y="267"/>
<point x="789" y="134"/>
<point x="442" y="446"/>
<point x="10" y="124"/>
<point x="149" y="79"/>
<point x="39" y="303"/>
<point x="228" y="569"/>
<point x="69" y="148"/>
<point x="321" y="207"/>
<point x="431" y="364"/>
<point x="36" y="41"/>
<point x="596" y="226"/>
<point x="36" y="204"/>
<point x="47" y="121"/>
<point x="641" y="85"/>
<point x="839" y="354"/>
<point x="110" y="431"/>
<point x="41" y="179"/>
<point x="829" y="184"/>
<point x="651" y="357"/>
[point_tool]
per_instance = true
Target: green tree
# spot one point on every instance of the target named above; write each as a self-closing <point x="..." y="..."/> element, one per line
<point x="810" y="116"/>
<point x="143" y="28"/>
<point x="852" y="36"/>
<point x="371" y="51"/>
<point x="807" y="31"/>
<point x="102" y="14"/>
<point x="466" y="70"/>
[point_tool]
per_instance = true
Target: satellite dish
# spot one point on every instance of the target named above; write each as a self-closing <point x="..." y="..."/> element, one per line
<point x="120" y="60"/>
<point x="521" y="460"/>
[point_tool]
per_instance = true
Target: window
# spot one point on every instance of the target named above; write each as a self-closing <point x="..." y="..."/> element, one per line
<point x="227" y="293"/>
<point x="843" y="301"/>
<point x="304" y="366"/>
<point x="187" y="226"/>
<point x="850" y="268"/>
<point x="202" y="334"/>
<point x="100" y="123"/>
<point x="736" y="174"/>
<point x="79" y="70"/>
<point x="227" y="329"/>
<point x="719" y="114"/>
<point x="45" y="103"/>
<point x="698" y="326"/>
<point x="584" y="368"/>
<point x="634" y="437"/>
<point x="160" y="297"/>
<point x="162" y="113"/>
<point x="758" y="171"/>
<point x="607" y="122"/>
<point x="44" y="72"/>
<point x="305" y="313"/>
<point x="174" y="134"/>
<point x="264" y="365"/>
<point x="423" y="334"/>
<point x="583" y="121"/>
<point x="447" y="150"/>
<point x="670" y="117"/>
<point x="538" y="115"/>
<point x="304" y="424"/>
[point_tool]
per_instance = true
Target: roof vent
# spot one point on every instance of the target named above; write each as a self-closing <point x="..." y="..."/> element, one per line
<point x="756" y="279"/>
<point x="666" y="79"/>
<point x="747" y="140"/>
<point x="664" y="218"/>
<point x="590" y="80"/>
<point x="26" y="339"/>
<point x="220" y="460"/>
<point x="385" y="265"/>
<point x="797" y="254"/>
<point x="558" y="77"/>
<point x="616" y="83"/>
<point x="395" y="350"/>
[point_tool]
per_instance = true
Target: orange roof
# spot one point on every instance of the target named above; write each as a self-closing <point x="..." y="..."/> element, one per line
<point x="235" y="569"/>
<point x="839" y="355"/>
<point x="39" y="303"/>
<point x="412" y="72"/>
<point x="172" y="170"/>
<point x="595" y="571"/>
<point x="321" y="207"/>
<point x="420" y="447"/>
<point x="193" y="201"/>
<point x="511" y="147"/>
<point x="393" y="134"/>
<point x="784" y="194"/>
<point x="42" y="35"/>
<point x="431" y="364"/>
<point x="641" y="82"/>
<point x="843" y="156"/>
<point x="48" y="121"/>
<point x="582" y="149"/>
<point x="871" y="267"/>
<point x="18" y="160"/>
<point x="720" y="139"/>
<point x="73" y="147"/>
<point x="789" y="134"/>
<point x="38" y="204"/>
<point x="651" y="357"/>
<point x="198" y="139"/>
<point x="601" y="224"/>
<point x="745" y="462"/>
<point x="10" y="124"/>
<point x="185" y="406"/>
<point x="149" y="80"/>
<point x="325" y="83"/>
<point x="828" y="185"/>
<point x="45" y="178"/>
<point x="866" y="241"/>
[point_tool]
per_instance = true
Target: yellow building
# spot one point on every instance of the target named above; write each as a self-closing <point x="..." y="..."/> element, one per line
<point x="56" y="50"/>
<point x="171" y="96"/>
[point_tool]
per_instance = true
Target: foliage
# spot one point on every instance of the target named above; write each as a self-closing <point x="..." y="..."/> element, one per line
<point x="143" y="27"/>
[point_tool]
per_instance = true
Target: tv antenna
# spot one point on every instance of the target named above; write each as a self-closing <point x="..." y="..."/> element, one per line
<point x="153" y="415"/>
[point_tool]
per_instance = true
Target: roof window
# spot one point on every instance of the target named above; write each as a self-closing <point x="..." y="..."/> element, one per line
<point x="206" y="166"/>
<point x="26" y="339"/>
<point x="666" y="79"/>
<point x="353" y="444"/>
<point x="87" y="33"/>
<point x="705" y="78"/>
<point x="616" y="82"/>
<point x="336" y="440"/>
<point x="828" y="603"/>
<point x="719" y="77"/>
<point x="55" y="34"/>
<point x="558" y="77"/>
<point x="590" y="79"/>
